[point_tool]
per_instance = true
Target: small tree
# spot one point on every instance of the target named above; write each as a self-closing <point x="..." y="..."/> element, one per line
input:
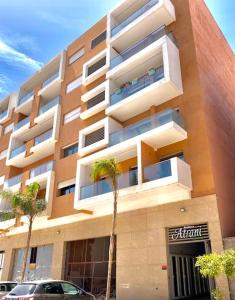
<point x="212" y="265"/>
<point x="26" y="204"/>
<point x="108" y="167"/>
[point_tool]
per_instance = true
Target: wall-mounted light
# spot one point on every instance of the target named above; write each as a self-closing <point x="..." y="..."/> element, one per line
<point x="182" y="209"/>
<point x="58" y="231"/>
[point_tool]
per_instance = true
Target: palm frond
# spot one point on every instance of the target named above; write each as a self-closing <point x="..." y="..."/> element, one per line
<point x="105" y="167"/>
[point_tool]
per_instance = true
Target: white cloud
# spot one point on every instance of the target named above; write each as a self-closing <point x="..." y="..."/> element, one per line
<point x="14" y="57"/>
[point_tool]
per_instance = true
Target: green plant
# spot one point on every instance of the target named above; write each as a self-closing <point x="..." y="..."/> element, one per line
<point x="108" y="167"/>
<point x="212" y="265"/>
<point x="26" y="204"/>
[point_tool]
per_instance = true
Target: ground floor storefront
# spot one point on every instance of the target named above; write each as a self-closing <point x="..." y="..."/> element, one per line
<point x="155" y="254"/>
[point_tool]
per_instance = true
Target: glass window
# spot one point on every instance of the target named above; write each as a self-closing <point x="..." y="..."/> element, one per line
<point x="76" y="56"/>
<point x="8" y="128"/>
<point x="74" y="114"/>
<point x="100" y="38"/>
<point x="52" y="288"/>
<point x="3" y="154"/>
<point x="179" y="155"/>
<point x="70" y="289"/>
<point x="70" y="150"/>
<point x="73" y="85"/>
<point x="87" y="264"/>
<point x="23" y="289"/>
<point x="67" y="190"/>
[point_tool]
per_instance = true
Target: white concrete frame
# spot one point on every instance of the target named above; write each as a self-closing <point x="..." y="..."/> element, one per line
<point x="10" y="102"/>
<point x="109" y="125"/>
<point x="162" y="13"/>
<point x="87" y="79"/>
<point x="51" y="119"/>
<point x="169" y="87"/>
<point x="46" y="180"/>
<point x="100" y="106"/>
<point x="176" y="187"/>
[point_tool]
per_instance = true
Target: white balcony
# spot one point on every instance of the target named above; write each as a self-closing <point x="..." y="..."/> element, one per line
<point x="44" y="136"/>
<point x="45" y="176"/>
<point x="13" y="184"/>
<point x="49" y="77"/>
<point x="48" y="109"/>
<point x="132" y="20"/>
<point x="96" y="136"/>
<point x="6" y="106"/>
<point x="96" y="100"/>
<point x="149" y="77"/>
<point x="95" y="68"/>
<point x="161" y="183"/>
<point x="52" y="75"/>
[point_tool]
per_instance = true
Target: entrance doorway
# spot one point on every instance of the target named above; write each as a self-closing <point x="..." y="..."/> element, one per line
<point x="186" y="280"/>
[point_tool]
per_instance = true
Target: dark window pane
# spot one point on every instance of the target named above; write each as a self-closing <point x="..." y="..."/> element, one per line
<point x="100" y="38"/>
<point x="67" y="190"/>
<point x="52" y="288"/>
<point x="33" y="255"/>
<point x="101" y="269"/>
<point x="70" y="150"/>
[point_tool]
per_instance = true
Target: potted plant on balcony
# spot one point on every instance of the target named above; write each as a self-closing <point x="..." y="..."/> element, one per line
<point x="26" y="204"/>
<point x="109" y="168"/>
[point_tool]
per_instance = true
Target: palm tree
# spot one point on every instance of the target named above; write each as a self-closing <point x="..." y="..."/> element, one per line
<point x="26" y="204"/>
<point x="108" y="167"/>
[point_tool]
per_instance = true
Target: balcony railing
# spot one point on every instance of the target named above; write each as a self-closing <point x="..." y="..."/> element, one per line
<point x="14" y="180"/>
<point x="24" y="98"/>
<point x="50" y="79"/>
<point x="104" y="186"/>
<point x="148" y="40"/>
<point x="158" y="171"/>
<point x="43" y="137"/>
<point x="137" y="85"/>
<point x="21" y="123"/>
<point x="17" y="151"/>
<point x="3" y="114"/>
<point x="134" y="16"/>
<point x="145" y="125"/>
<point x="49" y="166"/>
<point x="49" y="105"/>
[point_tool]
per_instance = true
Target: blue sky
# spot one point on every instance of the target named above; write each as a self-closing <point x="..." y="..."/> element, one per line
<point x="32" y="32"/>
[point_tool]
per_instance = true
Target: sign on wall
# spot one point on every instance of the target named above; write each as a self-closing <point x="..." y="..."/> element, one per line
<point x="188" y="233"/>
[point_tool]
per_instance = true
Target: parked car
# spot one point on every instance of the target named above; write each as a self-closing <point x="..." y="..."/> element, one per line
<point x="48" y="289"/>
<point x="6" y="287"/>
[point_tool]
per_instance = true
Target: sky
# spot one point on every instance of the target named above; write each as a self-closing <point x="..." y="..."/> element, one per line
<point x="34" y="31"/>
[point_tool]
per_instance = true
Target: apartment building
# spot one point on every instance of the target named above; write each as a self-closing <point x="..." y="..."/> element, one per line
<point x="151" y="85"/>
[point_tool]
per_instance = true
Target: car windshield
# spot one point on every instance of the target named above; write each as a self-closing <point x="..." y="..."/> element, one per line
<point x="23" y="289"/>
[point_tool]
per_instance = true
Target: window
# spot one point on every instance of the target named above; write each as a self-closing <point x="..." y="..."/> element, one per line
<point x="100" y="38"/>
<point x="67" y="190"/>
<point x="70" y="289"/>
<point x="33" y="255"/>
<point x="74" y="114"/>
<point x="8" y="128"/>
<point x="96" y="66"/>
<point x="52" y="288"/>
<point x="76" y="56"/>
<point x="87" y="265"/>
<point x="179" y="155"/>
<point x="70" y="150"/>
<point x="73" y="85"/>
<point x="3" y="154"/>
<point x="94" y="137"/>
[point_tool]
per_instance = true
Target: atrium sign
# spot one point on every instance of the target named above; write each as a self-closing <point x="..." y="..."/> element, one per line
<point x="188" y="233"/>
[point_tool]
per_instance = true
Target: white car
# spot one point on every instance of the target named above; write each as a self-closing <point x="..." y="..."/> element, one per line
<point x="6" y="287"/>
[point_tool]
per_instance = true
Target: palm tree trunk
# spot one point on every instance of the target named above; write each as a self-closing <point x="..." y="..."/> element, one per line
<point x="112" y="243"/>
<point x="26" y="250"/>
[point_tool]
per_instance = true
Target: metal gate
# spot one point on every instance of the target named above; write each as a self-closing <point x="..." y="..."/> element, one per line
<point x="186" y="279"/>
